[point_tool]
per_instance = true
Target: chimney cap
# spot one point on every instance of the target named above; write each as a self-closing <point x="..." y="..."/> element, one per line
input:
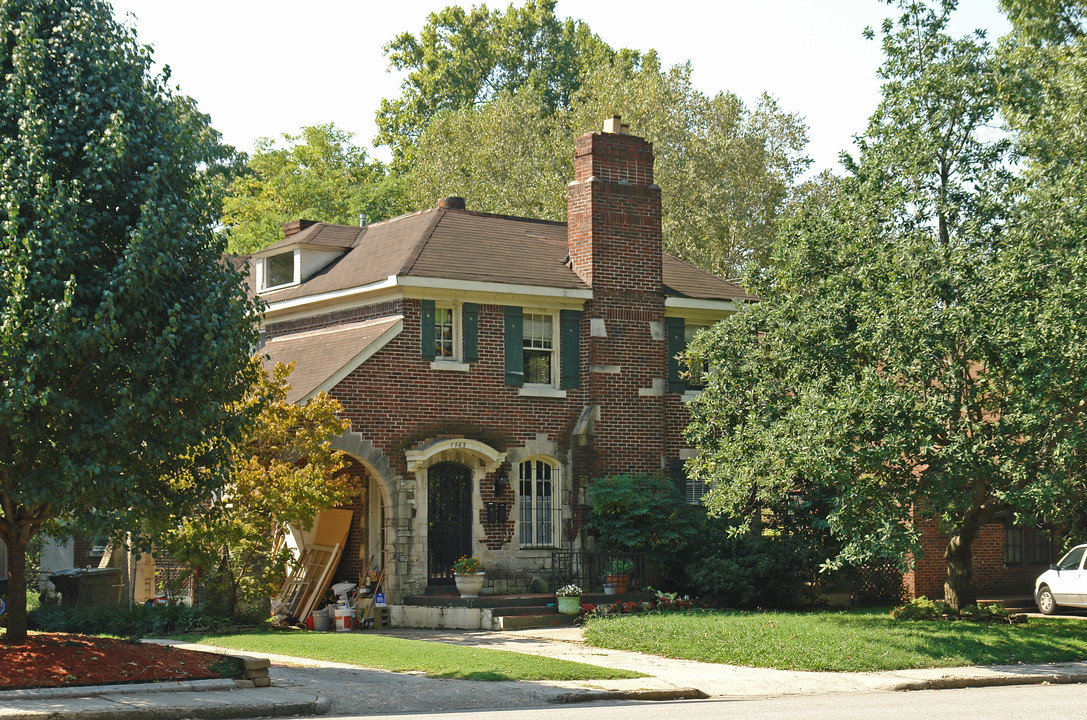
<point x="615" y="125"/>
<point x="451" y="203"/>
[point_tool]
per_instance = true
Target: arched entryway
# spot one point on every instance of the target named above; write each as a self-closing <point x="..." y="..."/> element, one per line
<point x="449" y="519"/>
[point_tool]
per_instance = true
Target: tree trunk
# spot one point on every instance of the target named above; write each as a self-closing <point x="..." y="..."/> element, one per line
<point x="16" y="601"/>
<point x="959" y="588"/>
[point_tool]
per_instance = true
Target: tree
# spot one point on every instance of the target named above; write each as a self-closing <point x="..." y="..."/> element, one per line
<point x="904" y="355"/>
<point x="463" y="59"/>
<point x="725" y="170"/>
<point x="282" y="471"/>
<point x="124" y="340"/>
<point x="319" y="176"/>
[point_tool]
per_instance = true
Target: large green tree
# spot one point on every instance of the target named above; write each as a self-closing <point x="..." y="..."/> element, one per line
<point x="318" y="175"/>
<point x="464" y="58"/>
<point x="124" y="340"/>
<point x="725" y="169"/>
<point x="910" y="354"/>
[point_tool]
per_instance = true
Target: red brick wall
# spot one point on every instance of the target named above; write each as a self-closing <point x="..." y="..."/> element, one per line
<point x="991" y="576"/>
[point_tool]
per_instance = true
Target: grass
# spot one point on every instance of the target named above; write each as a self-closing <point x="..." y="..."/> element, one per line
<point x="864" y="640"/>
<point x="401" y="655"/>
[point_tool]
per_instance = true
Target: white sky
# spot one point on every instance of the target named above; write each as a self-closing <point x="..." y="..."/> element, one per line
<point x="262" y="69"/>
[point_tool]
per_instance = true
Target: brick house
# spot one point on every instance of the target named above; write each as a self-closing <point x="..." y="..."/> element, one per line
<point x="492" y="365"/>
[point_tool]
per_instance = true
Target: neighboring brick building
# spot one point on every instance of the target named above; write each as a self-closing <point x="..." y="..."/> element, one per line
<point x="492" y="365"/>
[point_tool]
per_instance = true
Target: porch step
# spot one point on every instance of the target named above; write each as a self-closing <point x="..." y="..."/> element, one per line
<point x="483" y="601"/>
<point x="525" y="622"/>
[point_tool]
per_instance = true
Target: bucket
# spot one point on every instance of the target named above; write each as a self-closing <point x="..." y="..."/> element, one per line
<point x="320" y="620"/>
<point x="345" y="619"/>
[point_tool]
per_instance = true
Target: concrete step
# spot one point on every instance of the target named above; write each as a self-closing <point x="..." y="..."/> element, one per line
<point x="524" y="622"/>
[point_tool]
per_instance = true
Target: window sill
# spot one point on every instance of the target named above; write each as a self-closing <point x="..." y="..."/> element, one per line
<point x="689" y="395"/>
<point x="450" y="365"/>
<point x="543" y="392"/>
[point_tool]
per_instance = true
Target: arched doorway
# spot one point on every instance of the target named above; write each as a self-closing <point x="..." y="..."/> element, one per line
<point x="449" y="519"/>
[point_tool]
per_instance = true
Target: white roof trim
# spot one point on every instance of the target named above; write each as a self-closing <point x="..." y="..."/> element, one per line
<point x="682" y="303"/>
<point x="403" y="281"/>
<point x="378" y="343"/>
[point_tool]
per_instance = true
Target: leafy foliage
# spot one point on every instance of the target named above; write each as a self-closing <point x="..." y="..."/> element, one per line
<point x="725" y="170"/>
<point x="637" y="513"/>
<point x="123" y="338"/>
<point x="319" y="175"/>
<point x="917" y="346"/>
<point x="463" y="59"/>
<point x="134" y="622"/>
<point x="282" y="472"/>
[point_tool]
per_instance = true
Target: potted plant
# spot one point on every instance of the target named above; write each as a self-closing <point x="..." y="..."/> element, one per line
<point x="619" y="570"/>
<point x="569" y="599"/>
<point x="468" y="574"/>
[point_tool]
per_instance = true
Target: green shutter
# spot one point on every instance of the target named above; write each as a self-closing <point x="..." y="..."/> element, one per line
<point x="426" y="335"/>
<point x="676" y="384"/>
<point x="515" y="346"/>
<point x="678" y="475"/>
<point x="570" y="346"/>
<point x="470" y="319"/>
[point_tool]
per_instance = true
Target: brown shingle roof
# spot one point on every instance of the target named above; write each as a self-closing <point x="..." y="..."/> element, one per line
<point x="471" y="246"/>
<point x="321" y="354"/>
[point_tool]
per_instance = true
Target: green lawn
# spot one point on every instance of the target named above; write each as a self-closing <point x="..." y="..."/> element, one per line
<point x="400" y="655"/>
<point x="850" y="641"/>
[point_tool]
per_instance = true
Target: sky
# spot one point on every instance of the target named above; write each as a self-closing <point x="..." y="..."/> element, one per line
<point x="268" y="68"/>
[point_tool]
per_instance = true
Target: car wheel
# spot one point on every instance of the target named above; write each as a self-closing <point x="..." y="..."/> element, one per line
<point x="1046" y="604"/>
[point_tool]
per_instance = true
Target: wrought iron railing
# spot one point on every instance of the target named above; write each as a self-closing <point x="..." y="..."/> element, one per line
<point x="591" y="570"/>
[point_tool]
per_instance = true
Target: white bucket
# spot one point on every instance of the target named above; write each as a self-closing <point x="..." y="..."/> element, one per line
<point x="344" y="619"/>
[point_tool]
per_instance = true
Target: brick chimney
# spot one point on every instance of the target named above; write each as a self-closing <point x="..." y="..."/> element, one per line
<point x="614" y="212"/>
<point x="614" y="238"/>
<point x="296" y="226"/>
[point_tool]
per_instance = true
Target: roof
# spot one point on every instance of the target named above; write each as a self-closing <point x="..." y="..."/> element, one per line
<point x="471" y="246"/>
<point x="324" y="357"/>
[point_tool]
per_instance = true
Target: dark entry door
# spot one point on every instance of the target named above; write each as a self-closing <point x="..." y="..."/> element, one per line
<point x="449" y="513"/>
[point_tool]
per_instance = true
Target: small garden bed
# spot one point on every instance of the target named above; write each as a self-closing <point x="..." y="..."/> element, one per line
<point x="49" y="660"/>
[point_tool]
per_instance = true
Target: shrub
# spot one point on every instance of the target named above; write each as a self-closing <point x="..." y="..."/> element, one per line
<point x="134" y="622"/>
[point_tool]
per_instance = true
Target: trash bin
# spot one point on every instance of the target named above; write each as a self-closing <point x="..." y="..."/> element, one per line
<point x="320" y="619"/>
<point x="90" y="587"/>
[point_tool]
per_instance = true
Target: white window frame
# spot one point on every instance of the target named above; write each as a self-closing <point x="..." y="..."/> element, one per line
<point x="456" y="347"/>
<point x="532" y="509"/>
<point x="554" y="349"/>
<point x="263" y="274"/>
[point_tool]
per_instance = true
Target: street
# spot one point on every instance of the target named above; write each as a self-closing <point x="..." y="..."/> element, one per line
<point x="995" y="703"/>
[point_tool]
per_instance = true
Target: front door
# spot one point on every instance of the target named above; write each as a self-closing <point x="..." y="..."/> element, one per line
<point x="449" y="519"/>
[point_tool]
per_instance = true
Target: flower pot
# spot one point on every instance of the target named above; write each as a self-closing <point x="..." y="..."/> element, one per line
<point x="609" y="589"/>
<point x="469" y="584"/>
<point x="569" y="605"/>
<point x="619" y="582"/>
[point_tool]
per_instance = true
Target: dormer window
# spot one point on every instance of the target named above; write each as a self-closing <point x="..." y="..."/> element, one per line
<point x="278" y="270"/>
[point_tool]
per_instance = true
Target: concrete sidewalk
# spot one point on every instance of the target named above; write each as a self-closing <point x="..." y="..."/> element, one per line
<point x="309" y="687"/>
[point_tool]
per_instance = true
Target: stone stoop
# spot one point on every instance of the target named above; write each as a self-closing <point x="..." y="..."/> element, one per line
<point x="492" y="612"/>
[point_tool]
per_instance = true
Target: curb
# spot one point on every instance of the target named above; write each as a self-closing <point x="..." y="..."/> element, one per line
<point x="126" y="689"/>
<point x="687" y="693"/>
<point x="954" y="683"/>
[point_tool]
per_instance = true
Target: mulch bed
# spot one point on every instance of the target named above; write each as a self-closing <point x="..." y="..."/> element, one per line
<point x="49" y="660"/>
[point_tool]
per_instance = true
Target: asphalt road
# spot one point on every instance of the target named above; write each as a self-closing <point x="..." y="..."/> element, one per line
<point x="1067" y="702"/>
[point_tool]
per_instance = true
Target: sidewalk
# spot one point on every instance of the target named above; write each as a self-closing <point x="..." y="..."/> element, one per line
<point x="310" y="687"/>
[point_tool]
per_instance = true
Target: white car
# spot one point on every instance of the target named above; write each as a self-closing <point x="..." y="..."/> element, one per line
<point x="1063" y="584"/>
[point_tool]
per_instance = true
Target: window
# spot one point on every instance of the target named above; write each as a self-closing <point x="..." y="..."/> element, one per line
<point x="444" y="337"/>
<point x="1025" y="546"/>
<point x="449" y="334"/>
<point x="538" y="503"/>
<point x="539" y="344"/>
<point x="694" y="379"/>
<point x="543" y="350"/>
<point x="279" y="270"/>
<point x="693" y="489"/>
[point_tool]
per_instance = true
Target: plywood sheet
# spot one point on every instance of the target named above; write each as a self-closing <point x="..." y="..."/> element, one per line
<point x="332" y="527"/>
